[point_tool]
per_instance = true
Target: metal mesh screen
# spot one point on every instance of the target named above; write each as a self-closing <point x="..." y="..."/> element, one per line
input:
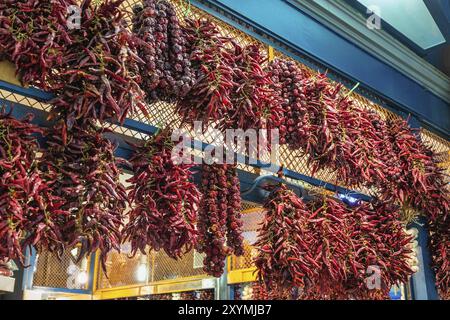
<point x="122" y="270"/>
<point x="440" y="146"/>
<point x="251" y="219"/>
<point x="52" y="272"/>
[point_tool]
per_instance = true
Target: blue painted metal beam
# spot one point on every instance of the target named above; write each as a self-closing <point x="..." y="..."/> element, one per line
<point x="34" y="93"/>
<point x="289" y="26"/>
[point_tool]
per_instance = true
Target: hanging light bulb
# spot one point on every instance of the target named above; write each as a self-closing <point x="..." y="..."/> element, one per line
<point x="83" y="277"/>
<point x="142" y="271"/>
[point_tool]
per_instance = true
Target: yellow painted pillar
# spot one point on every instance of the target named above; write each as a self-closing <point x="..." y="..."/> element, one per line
<point x="8" y="73"/>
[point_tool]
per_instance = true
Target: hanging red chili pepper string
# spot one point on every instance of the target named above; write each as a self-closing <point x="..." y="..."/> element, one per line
<point x="212" y="221"/>
<point x="165" y="200"/>
<point x="209" y="98"/>
<point x="83" y="172"/>
<point x="167" y="73"/>
<point x="325" y="248"/>
<point x="439" y="244"/>
<point x="34" y="36"/>
<point x="20" y="183"/>
<point x="234" y="216"/>
<point x="100" y="75"/>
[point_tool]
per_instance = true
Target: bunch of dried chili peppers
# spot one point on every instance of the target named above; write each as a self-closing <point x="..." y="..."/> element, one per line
<point x="255" y="103"/>
<point x="34" y="36"/>
<point x="165" y="200"/>
<point x="234" y="217"/>
<point x="213" y="63"/>
<point x="279" y="257"/>
<point x="100" y="76"/>
<point x="20" y="183"/>
<point x="83" y="173"/>
<point x="219" y="224"/>
<point x="167" y="73"/>
<point x="417" y="181"/>
<point x="328" y="250"/>
<point x="439" y="244"/>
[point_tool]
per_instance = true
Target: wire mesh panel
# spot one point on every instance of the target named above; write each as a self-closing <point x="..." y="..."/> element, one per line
<point x="166" y="268"/>
<point x="52" y="272"/>
<point x="251" y="219"/>
<point x="440" y="146"/>
<point x="123" y="270"/>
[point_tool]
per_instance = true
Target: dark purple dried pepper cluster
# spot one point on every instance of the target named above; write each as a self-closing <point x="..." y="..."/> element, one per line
<point x="166" y="73"/>
<point x="219" y="224"/>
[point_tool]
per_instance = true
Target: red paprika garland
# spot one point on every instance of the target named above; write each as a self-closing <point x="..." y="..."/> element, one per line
<point x="325" y="248"/>
<point x="165" y="200"/>
<point x="212" y="222"/>
<point x="100" y="79"/>
<point x="167" y="73"/>
<point x="19" y="183"/>
<point x="34" y="36"/>
<point x="439" y="244"/>
<point x="234" y="216"/>
<point x="209" y="98"/>
<point x="278" y="261"/>
<point x="84" y="173"/>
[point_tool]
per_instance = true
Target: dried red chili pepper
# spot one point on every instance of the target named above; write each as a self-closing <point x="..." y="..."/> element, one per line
<point x="279" y="261"/>
<point x="234" y="216"/>
<point x="326" y="248"/>
<point x="82" y="172"/>
<point x="349" y="245"/>
<point x="165" y="200"/>
<point x="100" y="75"/>
<point x="212" y="219"/>
<point x="439" y="244"/>
<point x="34" y="36"/>
<point x="287" y="79"/>
<point x="213" y="63"/>
<point x="255" y="103"/>
<point x="418" y="182"/>
<point x="19" y="183"/>
<point x="167" y="74"/>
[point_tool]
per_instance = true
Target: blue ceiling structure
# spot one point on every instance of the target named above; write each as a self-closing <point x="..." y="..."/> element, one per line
<point x="422" y="25"/>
